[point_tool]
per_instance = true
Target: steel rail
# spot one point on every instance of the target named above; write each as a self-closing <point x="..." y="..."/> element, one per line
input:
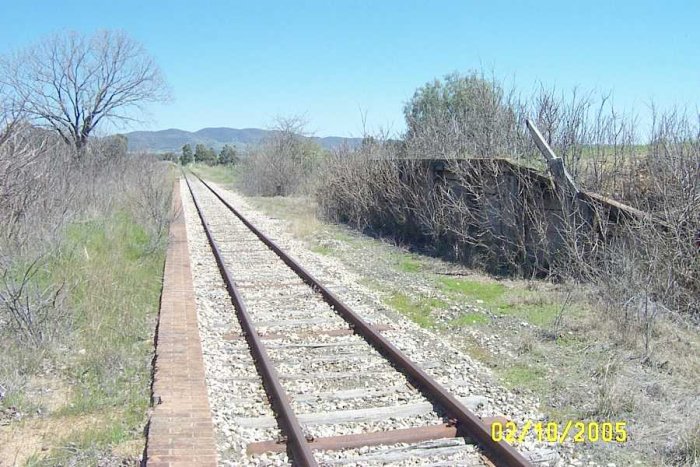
<point x="501" y="453"/>
<point x="296" y="440"/>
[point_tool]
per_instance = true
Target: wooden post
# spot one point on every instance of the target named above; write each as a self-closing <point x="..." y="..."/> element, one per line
<point x="555" y="163"/>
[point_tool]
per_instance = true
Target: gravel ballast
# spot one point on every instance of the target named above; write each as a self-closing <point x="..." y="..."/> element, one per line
<point x="322" y="373"/>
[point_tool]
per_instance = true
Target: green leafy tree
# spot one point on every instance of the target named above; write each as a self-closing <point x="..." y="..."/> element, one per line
<point x="204" y="154"/>
<point x="461" y="115"/>
<point x="187" y="156"/>
<point x="169" y="156"/>
<point x="228" y="155"/>
<point x="115" y="145"/>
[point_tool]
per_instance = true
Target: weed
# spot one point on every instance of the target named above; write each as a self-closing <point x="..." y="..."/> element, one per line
<point x="524" y="376"/>
<point x="608" y="398"/>
<point x="687" y="450"/>
<point x="407" y="264"/>
<point x="322" y="250"/>
<point x="526" y="344"/>
<point x="469" y="319"/>
<point x="475" y="350"/>
<point x="418" y="310"/>
<point x="487" y="292"/>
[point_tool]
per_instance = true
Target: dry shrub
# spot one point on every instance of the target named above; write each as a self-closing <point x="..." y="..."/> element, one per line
<point x="374" y="191"/>
<point x="149" y="197"/>
<point x="45" y="190"/>
<point x="472" y="211"/>
<point x="31" y="311"/>
<point x="651" y="262"/>
<point x="283" y="163"/>
<point x="507" y="219"/>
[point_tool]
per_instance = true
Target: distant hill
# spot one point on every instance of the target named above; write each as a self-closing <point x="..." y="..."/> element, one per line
<point x="173" y="139"/>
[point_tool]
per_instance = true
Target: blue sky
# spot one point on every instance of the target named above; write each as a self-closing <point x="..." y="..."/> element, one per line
<point x="238" y="64"/>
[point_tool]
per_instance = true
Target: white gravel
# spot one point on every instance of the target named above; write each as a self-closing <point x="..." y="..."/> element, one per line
<point x="321" y="373"/>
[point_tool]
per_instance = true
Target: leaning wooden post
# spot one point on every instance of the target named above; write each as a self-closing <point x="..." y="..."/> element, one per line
<point x="574" y="209"/>
<point x="555" y="163"/>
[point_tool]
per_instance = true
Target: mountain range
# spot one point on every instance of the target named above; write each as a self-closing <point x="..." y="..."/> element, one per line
<point x="173" y="139"/>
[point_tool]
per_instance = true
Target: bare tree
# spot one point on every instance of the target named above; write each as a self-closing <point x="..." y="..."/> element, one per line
<point x="71" y="82"/>
<point x="283" y="162"/>
<point x="10" y="113"/>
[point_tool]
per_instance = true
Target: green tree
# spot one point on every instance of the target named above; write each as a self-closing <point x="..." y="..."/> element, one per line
<point x="115" y="145"/>
<point x="461" y="115"/>
<point x="187" y="157"/>
<point x="204" y="154"/>
<point x="228" y="155"/>
<point x="169" y="156"/>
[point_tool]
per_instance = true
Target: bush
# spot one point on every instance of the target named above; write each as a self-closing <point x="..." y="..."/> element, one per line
<point x="283" y="163"/>
<point x="488" y="216"/>
<point x="81" y="258"/>
<point x="462" y="115"/>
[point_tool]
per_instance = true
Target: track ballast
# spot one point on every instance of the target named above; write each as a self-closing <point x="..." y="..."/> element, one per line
<point x="336" y="384"/>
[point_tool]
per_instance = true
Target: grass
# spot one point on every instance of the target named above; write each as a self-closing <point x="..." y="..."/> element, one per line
<point x="521" y="375"/>
<point x="344" y="236"/>
<point x="417" y="309"/>
<point x="487" y="292"/>
<point x="688" y="446"/>
<point x="528" y="305"/>
<point x="542" y="315"/>
<point x="115" y="281"/>
<point x="299" y="212"/>
<point x="322" y="250"/>
<point x="224" y="175"/>
<point x="116" y="304"/>
<point x="407" y="264"/>
<point x="285" y="207"/>
<point x="84" y="442"/>
<point x="470" y="319"/>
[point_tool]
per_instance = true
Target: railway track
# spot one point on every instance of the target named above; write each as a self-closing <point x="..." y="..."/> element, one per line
<point x="327" y="372"/>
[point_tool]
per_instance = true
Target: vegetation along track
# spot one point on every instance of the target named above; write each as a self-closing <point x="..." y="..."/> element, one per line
<point x="308" y="345"/>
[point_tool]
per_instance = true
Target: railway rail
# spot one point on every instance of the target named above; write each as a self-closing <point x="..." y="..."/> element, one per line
<point x="347" y="328"/>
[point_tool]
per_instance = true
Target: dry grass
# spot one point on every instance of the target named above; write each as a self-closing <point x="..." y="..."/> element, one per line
<point x="96" y="231"/>
<point x="32" y="441"/>
<point x="100" y="369"/>
<point x="299" y="212"/>
<point x="225" y="175"/>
